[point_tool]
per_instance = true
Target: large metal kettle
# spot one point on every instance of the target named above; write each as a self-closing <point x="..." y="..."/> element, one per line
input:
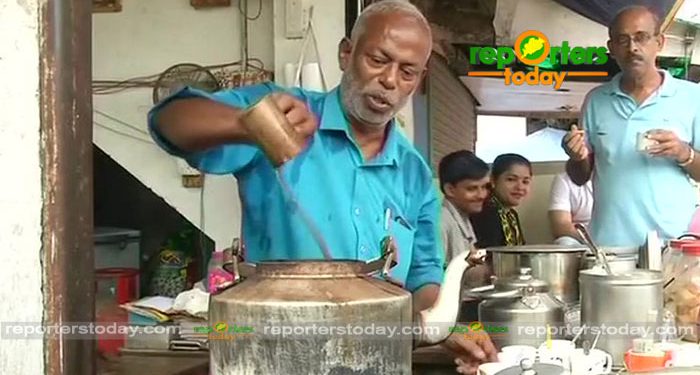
<point x="521" y="311"/>
<point x="326" y="317"/>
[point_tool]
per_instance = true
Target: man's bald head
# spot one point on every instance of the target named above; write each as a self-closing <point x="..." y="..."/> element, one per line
<point x="632" y="12"/>
<point x="636" y="40"/>
<point x="383" y="61"/>
<point x="385" y="8"/>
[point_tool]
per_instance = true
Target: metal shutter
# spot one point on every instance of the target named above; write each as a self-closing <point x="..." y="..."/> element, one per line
<point x="451" y="112"/>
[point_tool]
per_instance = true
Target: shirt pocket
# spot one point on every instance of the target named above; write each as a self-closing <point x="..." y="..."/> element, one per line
<point x="610" y="142"/>
<point x="404" y="236"/>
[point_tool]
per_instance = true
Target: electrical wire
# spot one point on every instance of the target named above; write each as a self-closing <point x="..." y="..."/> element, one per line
<point x="244" y="33"/>
<point x="133" y="127"/>
<point x="108" y="87"/>
<point x="245" y="13"/>
<point x="111" y="129"/>
<point x="202" y="229"/>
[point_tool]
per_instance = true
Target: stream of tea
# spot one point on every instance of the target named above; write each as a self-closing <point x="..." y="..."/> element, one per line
<point x="296" y="207"/>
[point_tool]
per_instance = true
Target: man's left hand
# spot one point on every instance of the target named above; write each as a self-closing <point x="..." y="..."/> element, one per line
<point x="669" y="145"/>
<point x="471" y="350"/>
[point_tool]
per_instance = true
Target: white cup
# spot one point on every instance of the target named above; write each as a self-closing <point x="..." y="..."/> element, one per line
<point x="643" y="143"/>
<point x="687" y="355"/>
<point x="491" y="368"/>
<point x="513" y="354"/>
<point x="557" y="352"/>
<point x="597" y="362"/>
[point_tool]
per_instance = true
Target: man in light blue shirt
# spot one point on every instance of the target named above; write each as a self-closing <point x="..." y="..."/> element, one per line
<point x="356" y="170"/>
<point x="641" y="132"/>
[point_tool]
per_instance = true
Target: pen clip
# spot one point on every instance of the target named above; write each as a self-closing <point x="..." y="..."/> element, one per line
<point x="387" y="219"/>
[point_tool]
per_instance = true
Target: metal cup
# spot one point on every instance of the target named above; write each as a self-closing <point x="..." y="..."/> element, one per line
<point x="269" y="128"/>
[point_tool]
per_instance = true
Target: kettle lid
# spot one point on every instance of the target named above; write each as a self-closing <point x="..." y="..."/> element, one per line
<point x="523" y="280"/>
<point x="529" y="367"/>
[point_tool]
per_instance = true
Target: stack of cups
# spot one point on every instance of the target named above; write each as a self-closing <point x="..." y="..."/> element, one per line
<point x="644" y="356"/>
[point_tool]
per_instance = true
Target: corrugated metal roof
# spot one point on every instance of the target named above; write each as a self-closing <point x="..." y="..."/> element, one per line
<point x="603" y="11"/>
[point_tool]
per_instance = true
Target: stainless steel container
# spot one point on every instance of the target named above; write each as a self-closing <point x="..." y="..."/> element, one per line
<point x="619" y="261"/>
<point x="558" y="266"/>
<point x="326" y="317"/>
<point x="621" y="307"/>
<point x="308" y="297"/>
<point x="520" y="311"/>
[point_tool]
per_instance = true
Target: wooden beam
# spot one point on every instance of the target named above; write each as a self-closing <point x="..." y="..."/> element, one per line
<point x="535" y="114"/>
<point x="66" y="131"/>
<point x="671" y="15"/>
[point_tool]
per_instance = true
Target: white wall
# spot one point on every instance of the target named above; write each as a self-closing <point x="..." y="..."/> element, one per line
<point x="146" y="38"/>
<point x="329" y="26"/>
<point x="21" y="201"/>
<point x="533" y="212"/>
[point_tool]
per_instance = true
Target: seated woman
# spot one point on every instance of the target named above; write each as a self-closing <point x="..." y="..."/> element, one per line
<point x="498" y="223"/>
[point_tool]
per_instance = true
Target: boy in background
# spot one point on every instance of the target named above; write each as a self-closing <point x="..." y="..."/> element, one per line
<point x="464" y="181"/>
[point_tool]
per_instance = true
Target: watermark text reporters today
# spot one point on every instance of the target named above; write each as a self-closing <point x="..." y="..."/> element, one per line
<point x="371" y="330"/>
<point x="605" y="329"/>
<point x="88" y="330"/>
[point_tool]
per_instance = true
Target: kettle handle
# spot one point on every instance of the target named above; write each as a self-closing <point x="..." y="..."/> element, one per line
<point x="240" y="269"/>
<point x="490" y="292"/>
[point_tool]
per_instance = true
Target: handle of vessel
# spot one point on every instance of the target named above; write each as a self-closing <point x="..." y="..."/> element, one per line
<point x="514" y="293"/>
<point x="240" y="269"/>
<point x="385" y="262"/>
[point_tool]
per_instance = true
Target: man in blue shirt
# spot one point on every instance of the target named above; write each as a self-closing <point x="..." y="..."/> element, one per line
<point x="641" y="132"/>
<point x="356" y="171"/>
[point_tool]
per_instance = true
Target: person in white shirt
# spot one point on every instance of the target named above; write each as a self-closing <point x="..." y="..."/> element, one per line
<point x="569" y="204"/>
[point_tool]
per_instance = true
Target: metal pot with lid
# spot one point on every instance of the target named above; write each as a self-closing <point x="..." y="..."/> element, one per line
<point x="621" y="307"/>
<point x="521" y="311"/>
<point x="556" y="265"/>
<point x="620" y="259"/>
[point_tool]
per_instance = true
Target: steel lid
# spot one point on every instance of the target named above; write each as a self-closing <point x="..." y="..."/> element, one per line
<point x="538" y="249"/>
<point x="523" y="280"/>
<point x="529" y="367"/>
<point x="630" y="277"/>
<point x="620" y="251"/>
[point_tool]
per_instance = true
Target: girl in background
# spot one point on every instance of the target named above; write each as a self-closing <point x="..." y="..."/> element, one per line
<point x="498" y="223"/>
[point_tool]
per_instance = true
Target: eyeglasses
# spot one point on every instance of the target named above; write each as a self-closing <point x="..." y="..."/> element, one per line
<point x="640" y="39"/>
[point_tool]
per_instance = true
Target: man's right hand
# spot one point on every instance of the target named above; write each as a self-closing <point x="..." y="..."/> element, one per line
<point x="297" y="113"/>
<point x="574" y="143"/>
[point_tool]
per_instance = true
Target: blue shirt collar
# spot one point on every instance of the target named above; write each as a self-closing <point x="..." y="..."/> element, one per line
<point x="333" y="118"/>
<point x="668" y="87"/>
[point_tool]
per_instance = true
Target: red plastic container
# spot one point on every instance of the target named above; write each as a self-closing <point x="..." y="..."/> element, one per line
<point x="114" y="286"/>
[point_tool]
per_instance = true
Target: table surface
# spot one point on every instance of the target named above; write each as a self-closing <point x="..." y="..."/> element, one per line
<point x="432" y="360"/>
<point x="155" y="363"/>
